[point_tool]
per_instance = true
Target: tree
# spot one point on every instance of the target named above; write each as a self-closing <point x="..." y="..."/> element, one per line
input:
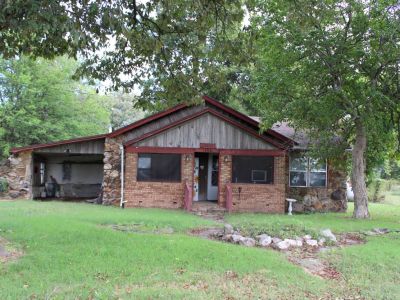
<point x="39" y="102"/>
<point x="171" y="46"/>
<point x="123" y="110"/>
<point x="332" y="68"/>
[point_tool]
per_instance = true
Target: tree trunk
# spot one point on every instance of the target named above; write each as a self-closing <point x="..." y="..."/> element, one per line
<point x="358" y="173"/>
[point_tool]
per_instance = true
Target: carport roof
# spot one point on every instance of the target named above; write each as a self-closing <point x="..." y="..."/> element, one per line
<point x="58" y="143"/>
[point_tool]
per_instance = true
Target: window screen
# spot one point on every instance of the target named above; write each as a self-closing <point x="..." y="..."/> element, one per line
<point x="252" y="169"/>
<point x="159" y="167"/>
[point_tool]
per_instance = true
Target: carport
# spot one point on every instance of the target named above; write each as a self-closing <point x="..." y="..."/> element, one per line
<point x="70" y="170"/>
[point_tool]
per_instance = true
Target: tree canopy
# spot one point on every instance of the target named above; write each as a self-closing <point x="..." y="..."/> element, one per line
<point x="170" y="48"/>
<point x="39" y="102"/>
<point x="332" y="68"/>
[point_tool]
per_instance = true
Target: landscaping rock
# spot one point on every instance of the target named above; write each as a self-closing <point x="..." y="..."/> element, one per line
<point x="307" y="237"/>
<point x="227" y="238"/>
<point x="370" y="233"/>
<point x="294" y="243"/>
<point x="282" y="245"/>
<point x="276" y="240"/>
<point x="321" y="242"/>
<point x="228" y="229"/>
<point x="264" y="240"/>
<point x="247" y="241"/>
<point x="312" y="243"/>
<point x="381" y="230"/>
<point x="327" y="233"/>
<point x="236" y="238"/>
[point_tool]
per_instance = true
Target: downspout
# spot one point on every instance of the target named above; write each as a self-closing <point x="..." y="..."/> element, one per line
<point x="122" y="203"/>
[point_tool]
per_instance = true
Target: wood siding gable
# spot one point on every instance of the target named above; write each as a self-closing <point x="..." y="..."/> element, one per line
<point x="85" y="147"/>
<point x="207" y="128"/>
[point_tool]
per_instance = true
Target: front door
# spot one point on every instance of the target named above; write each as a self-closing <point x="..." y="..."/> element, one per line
<point x="205" y="177"/>
<point x="212" y="180"/>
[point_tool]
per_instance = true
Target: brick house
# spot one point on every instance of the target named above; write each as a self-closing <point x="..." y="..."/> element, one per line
<point x="179" y="157"/>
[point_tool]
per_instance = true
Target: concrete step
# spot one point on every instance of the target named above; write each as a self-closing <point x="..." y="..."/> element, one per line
<point x="207" y="207"/>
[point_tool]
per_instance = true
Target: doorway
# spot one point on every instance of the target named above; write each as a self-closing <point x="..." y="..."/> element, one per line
<point x="206" y="177"/>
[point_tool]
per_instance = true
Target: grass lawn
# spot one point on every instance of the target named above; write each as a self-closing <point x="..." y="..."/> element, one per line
<point x="69" y="253"/>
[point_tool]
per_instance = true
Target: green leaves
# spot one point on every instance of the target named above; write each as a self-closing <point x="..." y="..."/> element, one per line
<point x="324" y="64"/>
<point x="39" y="102"/>
<point x="173" y="44"/>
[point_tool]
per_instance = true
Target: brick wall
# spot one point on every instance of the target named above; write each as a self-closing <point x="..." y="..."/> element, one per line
<point x="268" y="198"/>
<point x="155" y="194"/>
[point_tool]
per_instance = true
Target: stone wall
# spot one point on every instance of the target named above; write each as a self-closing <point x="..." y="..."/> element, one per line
<point x="331" y="198"/>
<point x="17" y="171"/>
<point x="155" y="194"/>
<point x="112" y="171"/>
<point x="269" y="198"/>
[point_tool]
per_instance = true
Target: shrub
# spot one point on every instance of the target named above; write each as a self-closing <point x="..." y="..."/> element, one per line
<point x="378" y="188"/>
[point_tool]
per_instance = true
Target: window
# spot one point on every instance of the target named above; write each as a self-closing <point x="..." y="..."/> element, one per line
<point x="67" y="170"/>
<point x="307" y="172"/>
<point x="42" y="172"/>
<point x="253" y="169"/>
<point x="214" y="171"/>
<point x="159" y="167"/>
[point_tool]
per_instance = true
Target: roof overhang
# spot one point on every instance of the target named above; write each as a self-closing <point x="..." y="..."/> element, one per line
<point x="58" y="143"/>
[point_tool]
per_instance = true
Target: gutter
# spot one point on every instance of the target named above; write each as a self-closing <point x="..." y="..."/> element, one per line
<point x="122" y="201"/>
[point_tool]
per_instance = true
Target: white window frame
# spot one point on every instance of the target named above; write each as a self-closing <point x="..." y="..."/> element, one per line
<point x="308" y="173"/>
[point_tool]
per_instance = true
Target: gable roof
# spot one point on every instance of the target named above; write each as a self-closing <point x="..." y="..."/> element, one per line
<point x="197" y="115"/>
<point x="147" y="120"/>
<point x="281" y="140"/>
<point x="300" y="137"/>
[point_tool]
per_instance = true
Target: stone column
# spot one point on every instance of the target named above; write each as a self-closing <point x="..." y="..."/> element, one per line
<point x="111" y="172"/>
<point x="17" y="172"/>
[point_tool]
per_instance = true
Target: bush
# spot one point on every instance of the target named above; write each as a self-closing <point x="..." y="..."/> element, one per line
<point x="378" y="189"/>
<point x="3" y="185"/>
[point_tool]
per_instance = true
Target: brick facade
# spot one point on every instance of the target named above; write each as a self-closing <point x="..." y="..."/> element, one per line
<point x="247" y="197"/>
<point x="156" y="194"/>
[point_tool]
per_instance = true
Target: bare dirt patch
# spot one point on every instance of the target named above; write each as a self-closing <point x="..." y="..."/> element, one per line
<point x="139" y="228"/>
<point x="8" y="252"/>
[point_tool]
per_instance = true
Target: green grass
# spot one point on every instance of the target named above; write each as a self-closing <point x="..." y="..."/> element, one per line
<point x="69" y="254"/>
<point x="383" y="216"/>
<point x="393" y="195"/>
